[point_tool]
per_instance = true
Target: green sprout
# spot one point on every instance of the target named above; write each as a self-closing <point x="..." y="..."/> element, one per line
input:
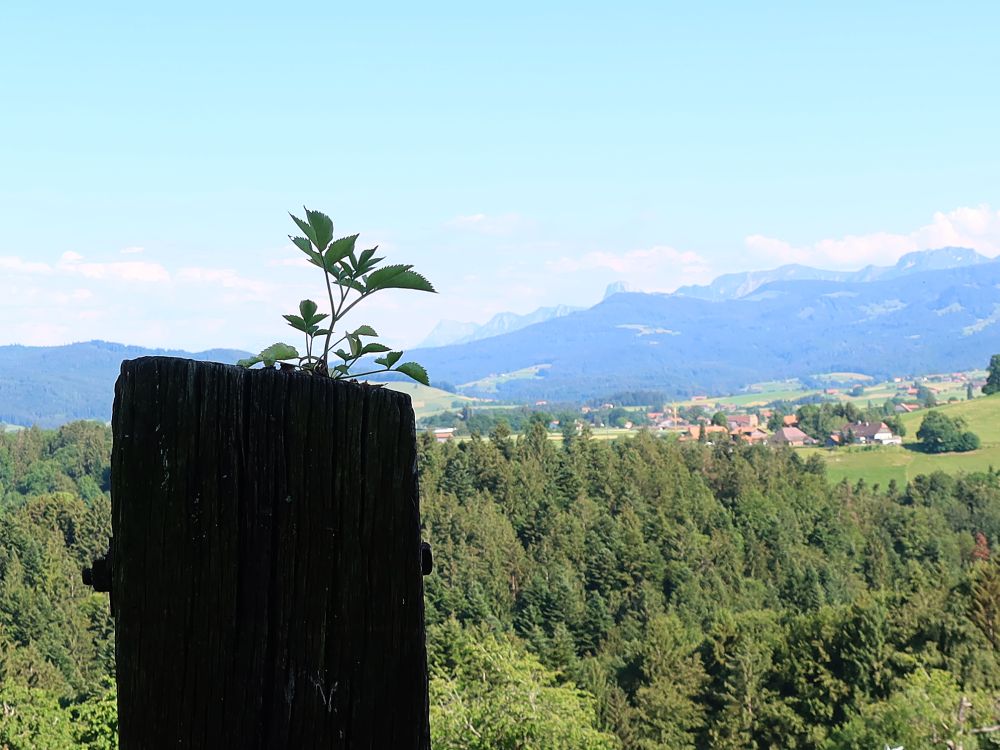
<point x="350" y="277"/>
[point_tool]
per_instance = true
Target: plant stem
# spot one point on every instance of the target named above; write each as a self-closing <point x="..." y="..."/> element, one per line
<point x="333" y="318"/>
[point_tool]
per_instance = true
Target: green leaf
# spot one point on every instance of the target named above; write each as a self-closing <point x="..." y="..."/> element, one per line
<point x="409" y="280"/>
<point x="307" y="308"/>
<point x="276" y="352"/>
<point x="398" y="277"/>
<point x="322" y="227"/>
<point x="374" y="348"/>
<point x="338" y="250"/>
<point x="377" y="279"/>
<point x="296" y="322"/>
<point x="343" y="369"/>
<point x="306" y="229"/>
<point x="249" y="362"/>
<point x="355" y="343"/>
<point x="365" y="331"/>
<point x="342" y="354"/>
<point x="304" y="245"/>
<point x="415" y="371"/>
<point x="392" y="358"/>
<point x="366" y="262"/>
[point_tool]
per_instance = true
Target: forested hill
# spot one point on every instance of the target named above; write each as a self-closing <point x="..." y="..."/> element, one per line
<point x="637" y="595"/>
<point x="52" y="385"/>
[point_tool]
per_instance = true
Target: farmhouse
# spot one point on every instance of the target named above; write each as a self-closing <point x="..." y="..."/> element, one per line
<point x="751" y="435"/>
<point x="444" y="434"/>
<point x="741" y="421"/>
<point x="868" y="433"/>
<point x="791" y="436"/>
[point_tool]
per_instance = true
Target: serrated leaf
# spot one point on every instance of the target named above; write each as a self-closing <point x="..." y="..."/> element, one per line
<point x="365" y="255"/>
<point x="342" y="354"/>
<point x="343" y="369"/>
<point x="374" y="348"/>
<point x="322" y="331"/>
<point x="307" y="308"/>
<point x="305" y="246"/>
<point x="392" y="358"/>
<point x="365" y="331"/>
<point x="338" y="250"/>
<point x="364" y="266"/>
<point x="249" y="361"/>
<point x="377" y="279"/>
<point x="406" y="280"/>
<point x="304" y="226"/>
<point x="296" y="322"/>
<point x="322" y="227"/>
<point x="277" y="352"/>
<point x="415" y="371"/>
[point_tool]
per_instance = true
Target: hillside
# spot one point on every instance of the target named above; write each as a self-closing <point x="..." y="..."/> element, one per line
<point x="52" y="385"/>
<point x="903" y="464"/>
<point x="915" y="317"/>
<point x="926" y="321"/>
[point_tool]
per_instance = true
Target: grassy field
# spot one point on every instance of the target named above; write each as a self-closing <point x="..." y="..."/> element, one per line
<point x="489" y="384"/>
<point x="903" y="463"/>
<point x="427" y="401"/>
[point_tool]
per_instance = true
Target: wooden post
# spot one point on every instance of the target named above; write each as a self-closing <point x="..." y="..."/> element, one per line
<point x="266" y="580"/>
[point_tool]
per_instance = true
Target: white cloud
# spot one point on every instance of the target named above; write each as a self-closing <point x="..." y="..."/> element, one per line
<point x="977" y="228"/>
<point x="72" y="297"/>
<point x="658" y="268"/>
<point x="18" y="265"/>
<point x="226" y="278"/>
<point x="140" y="271"/>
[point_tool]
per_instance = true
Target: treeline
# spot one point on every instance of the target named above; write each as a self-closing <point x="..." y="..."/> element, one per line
<point x="637" y="594"/>
<point x="722" y="597"/>
<point x="56" y="635"/>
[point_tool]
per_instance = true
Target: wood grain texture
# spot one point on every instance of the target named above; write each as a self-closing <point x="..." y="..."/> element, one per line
<point x="267" y="584"/>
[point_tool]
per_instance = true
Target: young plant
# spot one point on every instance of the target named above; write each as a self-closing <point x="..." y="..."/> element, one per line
<point x="350" y="277"/>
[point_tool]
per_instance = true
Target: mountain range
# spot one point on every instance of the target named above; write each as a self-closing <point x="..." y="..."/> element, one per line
<point x="933" y="311"/>
<point x="449" y="332"/>
<point x="737" y="285"/>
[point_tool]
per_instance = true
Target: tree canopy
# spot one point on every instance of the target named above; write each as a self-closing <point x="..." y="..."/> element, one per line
<point x="940" y="433"/>
<point x="635" y="594"/>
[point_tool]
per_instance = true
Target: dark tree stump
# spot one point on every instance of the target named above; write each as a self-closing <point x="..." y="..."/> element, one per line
<point x="267" y="587"/>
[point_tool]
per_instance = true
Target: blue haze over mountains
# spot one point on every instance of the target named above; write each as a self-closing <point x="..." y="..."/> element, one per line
<point x="933" y="311"/>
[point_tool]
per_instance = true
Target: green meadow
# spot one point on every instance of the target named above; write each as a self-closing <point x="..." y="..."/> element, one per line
<point x="428" y="400"/>
<point x="882" y="464"/>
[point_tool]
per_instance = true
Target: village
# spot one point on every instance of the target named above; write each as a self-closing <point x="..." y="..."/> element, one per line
<point x="868" y="414"/>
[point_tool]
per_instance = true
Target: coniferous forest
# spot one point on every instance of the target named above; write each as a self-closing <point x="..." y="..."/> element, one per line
<point x="638" y="594"/>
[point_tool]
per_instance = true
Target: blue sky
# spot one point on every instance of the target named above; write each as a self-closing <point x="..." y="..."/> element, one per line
<point x="520" y="155"/>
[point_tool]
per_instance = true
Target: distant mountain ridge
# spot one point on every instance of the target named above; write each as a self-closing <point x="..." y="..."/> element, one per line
<point x="925" y="314"/>
<point x="908" y="320"/>
<point x="450" y="332"/>
<point x="52" y="385"/>
<point x="738" y="285"/>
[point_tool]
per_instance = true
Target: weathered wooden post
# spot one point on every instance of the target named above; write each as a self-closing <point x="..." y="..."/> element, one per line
<point x="267" y="587"/>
